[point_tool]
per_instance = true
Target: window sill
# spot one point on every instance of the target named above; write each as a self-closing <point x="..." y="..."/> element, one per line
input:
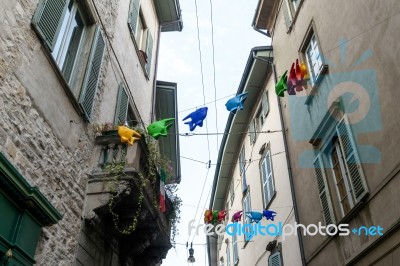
<point x="318" y="81"/>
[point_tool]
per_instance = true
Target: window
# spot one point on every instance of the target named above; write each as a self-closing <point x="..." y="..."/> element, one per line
<point x="242" y="167"/>
<point x="246" y="208"/>
<point x="63" y="29"/>
<point x="314" y="59"/>
<point x="347" y="178"/>
<point x="232" y="192"/>
<point x="24" y="211"/>
<point x="228" y="255"/>
<point x="290" y="9"/>
<point x="141" y="35"/>
<point x="267" y="179"/>
<point x="235" y="249"/>
<point x="259" y="120"/>
<point x="275" y="259"/>
<point x="123" y="111"/>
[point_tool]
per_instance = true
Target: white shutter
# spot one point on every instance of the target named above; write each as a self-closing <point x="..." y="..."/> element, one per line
<point x="353" y="164"/>
<point x="252" y="131"/>
<point x="149" y="52"/>
<point x="323" y="191"/>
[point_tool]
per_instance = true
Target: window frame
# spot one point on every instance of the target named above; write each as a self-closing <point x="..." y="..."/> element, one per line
<point x="143" y="41"/>
<point x="313" y="82"/>
<point x="269" y="179"/>
<point x="246" y="201"/>
<point x="90" y="49"/>
<point x="324" y="155"/>
<point x="235" y="250"/>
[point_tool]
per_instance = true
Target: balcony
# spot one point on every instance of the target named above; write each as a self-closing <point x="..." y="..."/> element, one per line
<point x="123" y="205"/>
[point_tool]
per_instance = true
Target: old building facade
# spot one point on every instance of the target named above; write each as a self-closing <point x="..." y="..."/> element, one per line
<point x="252" y="175"/>
<point x="342" y="126"/>
<point x="65" y="66"/>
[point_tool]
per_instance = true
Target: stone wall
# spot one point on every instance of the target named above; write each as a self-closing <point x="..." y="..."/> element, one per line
<point x="45" y="139"/>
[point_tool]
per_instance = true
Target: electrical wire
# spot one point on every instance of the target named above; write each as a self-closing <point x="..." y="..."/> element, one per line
<point x="219" y="99"/>
<point x="213" y="60"/>
<point x="202" y="75"/>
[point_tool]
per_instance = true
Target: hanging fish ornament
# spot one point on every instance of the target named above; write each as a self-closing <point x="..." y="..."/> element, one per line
<point x="235" y="103"/>
<point x="304" y="72"/>
<point x="237" y="216"/>
<point x="291" y="81"/>
<point x="221" y="216"/>
<point x="254" y="216"/>
<point x="128" y="135"/>
<point x="299" y="77"/>
<point x="160" y="128"/>
<point x="270" y="215"/>
<point x="207" y="216"/>
<point x="196" y="117"/>
<point x="281" y="86"/>
<point x="215" y="217"/>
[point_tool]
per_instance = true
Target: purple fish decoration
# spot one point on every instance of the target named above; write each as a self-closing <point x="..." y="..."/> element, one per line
<point x="254" y="216"/>
<point x="270" y="215"/>
<point x="235" y="103"/>
<point x="237" y="216"/>
<point x="196" y="117"/>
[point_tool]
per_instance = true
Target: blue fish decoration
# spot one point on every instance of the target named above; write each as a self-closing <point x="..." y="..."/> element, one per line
<point x="255" y="216"/>
<point x="196" y="117"/>
<point x="235" y="103"/>
<point x="270" y="215"/>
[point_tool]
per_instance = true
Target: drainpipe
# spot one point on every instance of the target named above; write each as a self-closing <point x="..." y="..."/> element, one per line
<point x="292" y="190"/>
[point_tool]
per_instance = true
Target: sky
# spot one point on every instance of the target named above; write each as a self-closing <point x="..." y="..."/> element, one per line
<point x="179" y="61"/>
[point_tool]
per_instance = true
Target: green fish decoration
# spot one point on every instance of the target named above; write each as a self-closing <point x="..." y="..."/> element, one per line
<point x="160" y="128"/>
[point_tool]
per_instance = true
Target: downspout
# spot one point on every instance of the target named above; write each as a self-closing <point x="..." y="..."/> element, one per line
<point x="155" y="75"/>
<point x="292" y="190"/>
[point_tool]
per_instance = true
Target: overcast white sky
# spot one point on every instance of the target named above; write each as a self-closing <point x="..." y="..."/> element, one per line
<point x="179" y="62"/>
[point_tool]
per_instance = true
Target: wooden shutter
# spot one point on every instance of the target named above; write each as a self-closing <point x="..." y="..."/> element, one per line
<point x="133" y="15"/>
<point x="323" y="191"/>
<point x="149" y="52"/>
<point x="275" y="259"/>
<point x="92" y="74"/>
<point x="287" y="14"/>
<point x="353" y="164"/>
<point x="48" y="20"/>
<point x="121" y="109"/>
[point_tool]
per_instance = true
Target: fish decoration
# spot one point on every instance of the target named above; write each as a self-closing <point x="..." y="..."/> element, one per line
<point x="196" y="117"/>
<point x="235" y="103"/>
<point x="254" y="216"/>
<point x="160" y="128"/>
<point x="128" y="135"/>
<point x="207" y="216"/>
<point x="270" y="215"/>
<point x="237" y="216"/>
<point x="215" y="216"/>
<point x="281" y="86"/>
<point x="221" y="216"/>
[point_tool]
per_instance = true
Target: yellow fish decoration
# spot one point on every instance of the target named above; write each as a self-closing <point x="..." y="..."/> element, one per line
<point x="128" y="135"/>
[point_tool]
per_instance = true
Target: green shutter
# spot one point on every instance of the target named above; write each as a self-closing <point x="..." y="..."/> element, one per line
<point x="92" y="74"/>
<point x="323" y="191"/>
<point x="149" y="52"/>
<point x="133" y="15"/>
<point x="356" y="175"/>
<point x="275" y="259"/>
<point x="48" y="19"/>
<point x="121" y="109"/>
<point x="287" y="15"/>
